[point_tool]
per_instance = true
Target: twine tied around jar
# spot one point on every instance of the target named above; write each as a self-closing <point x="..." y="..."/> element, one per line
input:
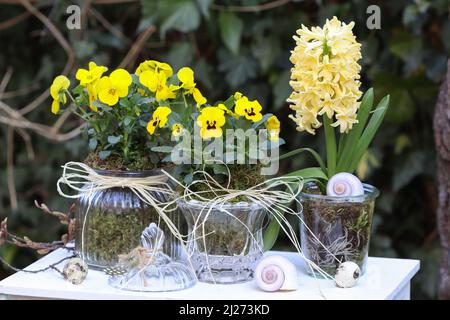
<point x="275" y="195"/>
<point x="86" y="181"/>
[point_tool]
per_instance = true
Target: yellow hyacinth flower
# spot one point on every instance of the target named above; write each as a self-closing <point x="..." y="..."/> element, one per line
<point x="154" y="66"/>
<point x="251" y="110"/>
<point x="273" y="127"/>
<point x="89" y="76"/>
<point x="58" y="92"/>
<point x="157" y="82"/>
<point x="325" y="76"/>
<point x="211" y="121"/>
<point x="177" y="129"/>
<point x="159" y="119"/>
<point x="111" y="88"/>
<point x="186" y="76"/>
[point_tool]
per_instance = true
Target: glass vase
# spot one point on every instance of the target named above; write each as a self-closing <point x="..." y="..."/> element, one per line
<point x="341" y="228"/>
<point x="225" y="242"/>
<point x="109" y="222"/>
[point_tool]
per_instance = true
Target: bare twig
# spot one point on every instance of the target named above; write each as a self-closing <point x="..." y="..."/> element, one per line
<point x="10" y="168"/>
<point x="41" y="247"/>
<point x="100" y="18"/>
<point x="5" y="81"/>
<point x="247" y="9"/>
<point x="136" y="47"/>
<point x="51" y="266"/>
<point x="61" y="40"/>
<point x="13" y="21"/>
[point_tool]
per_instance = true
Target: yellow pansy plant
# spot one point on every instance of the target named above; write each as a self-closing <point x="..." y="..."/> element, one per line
<point x="154" y="66"/>
<point x="159" y="119"/>
<point x="90" y="76"/>
<point x="251" y="110"/>
<point x="186" y="77"/>
<point x="58" y="92"/>
<point x="273" y="128"/>
<point x="156" y="82"/>
<point x="177" y="129"/>
<point x="111" y="88"/>
<point x="211" y="121"/>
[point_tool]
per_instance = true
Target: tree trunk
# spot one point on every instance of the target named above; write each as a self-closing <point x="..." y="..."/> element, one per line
<point x="442" y="138"/>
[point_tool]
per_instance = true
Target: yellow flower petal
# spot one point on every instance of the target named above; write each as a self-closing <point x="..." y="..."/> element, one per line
<point x="55" y="106"/>
<point x="59" y="85"/>
<point x="198" y="97"/>
<point x="177" y="129"/>
<point x="120" y="78"/>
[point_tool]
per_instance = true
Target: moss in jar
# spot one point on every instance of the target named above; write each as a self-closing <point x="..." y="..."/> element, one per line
<point x="112" y="234"/>
<point x="342" y="227"/>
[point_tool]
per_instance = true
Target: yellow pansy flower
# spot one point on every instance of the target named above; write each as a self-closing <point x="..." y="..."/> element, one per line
<point x="250" y="109"/>
<point x="223" y="107"/>
<point x="186" y="76"/>
<point x="177" y="129"/>
<point x="89" y="76"/>
<point x="211" y="121"/>
<point x="93" y="95"/>
<point x="111" y="88"/>
<point x="155" y="66"/>
<point x="159" y="119"/>
<point x="156" y="82"/>
<point x="273" y="127"/>
<point x="58" y="92"/>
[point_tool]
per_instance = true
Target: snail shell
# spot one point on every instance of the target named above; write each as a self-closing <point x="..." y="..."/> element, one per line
<point x="344" y="184"/>
<point x="347" y="274"/>
<point x="275" y="273"/>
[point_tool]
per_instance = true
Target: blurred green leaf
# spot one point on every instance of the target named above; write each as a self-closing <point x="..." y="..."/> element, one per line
<point x="184" y="18"/>
<point x="231" y="27"/>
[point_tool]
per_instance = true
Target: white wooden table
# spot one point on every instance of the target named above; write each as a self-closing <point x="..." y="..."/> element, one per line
<point x="384" y="279"/>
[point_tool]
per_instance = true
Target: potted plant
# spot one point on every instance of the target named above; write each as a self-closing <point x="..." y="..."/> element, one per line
<point x="128" y="118"/>
<point x="336" y="208"/>
<point x="225" y="224"/>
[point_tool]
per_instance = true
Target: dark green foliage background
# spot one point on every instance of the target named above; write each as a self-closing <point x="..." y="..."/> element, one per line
<point x="249" y="52"/>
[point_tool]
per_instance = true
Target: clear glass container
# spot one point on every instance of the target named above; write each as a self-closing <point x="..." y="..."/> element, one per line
<point x="341" y="225"/>
<point x="225" y="248"/>
<point x="109" y="223"/>
<point x="148" y="269"/>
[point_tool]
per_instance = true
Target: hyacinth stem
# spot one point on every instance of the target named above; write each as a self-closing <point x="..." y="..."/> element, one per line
<point x="330" y="142"/>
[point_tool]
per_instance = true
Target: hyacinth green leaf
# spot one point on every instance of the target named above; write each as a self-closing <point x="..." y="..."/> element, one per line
<point x="370" y="131"/>
<point x="353" y="137"/>
<point x="300" y="150"/>
<point x="271" y="234"/>
<point x="310" y="173"/>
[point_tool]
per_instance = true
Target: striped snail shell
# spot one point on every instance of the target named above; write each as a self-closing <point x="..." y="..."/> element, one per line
<point x="275" y="273"/>
<point x="344" y="184"/>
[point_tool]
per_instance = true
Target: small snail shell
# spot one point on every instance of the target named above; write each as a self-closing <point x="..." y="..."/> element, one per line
<point x="276" y="273"/>
<point x="344" y="184"/>
<point x="347" y="274"/>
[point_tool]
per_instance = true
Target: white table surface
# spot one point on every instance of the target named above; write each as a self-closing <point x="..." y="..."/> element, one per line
<point x="384" y="279"/>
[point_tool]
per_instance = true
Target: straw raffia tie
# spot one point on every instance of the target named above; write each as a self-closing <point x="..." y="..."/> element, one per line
<point x="86" y="181"/>
<point x="275" y="196"/>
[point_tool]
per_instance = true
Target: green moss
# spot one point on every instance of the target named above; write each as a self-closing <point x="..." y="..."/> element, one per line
<point x="115" y="162"/>
<point x="242" y="177"/>
<point x="110" y="234"/>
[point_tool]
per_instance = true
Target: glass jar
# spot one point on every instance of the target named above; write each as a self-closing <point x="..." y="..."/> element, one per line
<point x="225" y="242"/>
<point x="341" y="225"/>
<point x="109" y="222"/>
